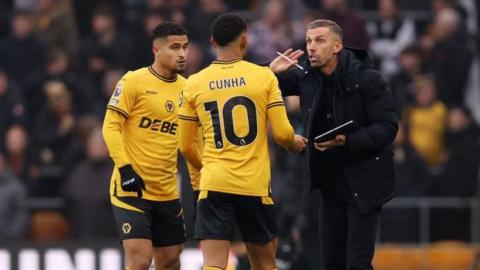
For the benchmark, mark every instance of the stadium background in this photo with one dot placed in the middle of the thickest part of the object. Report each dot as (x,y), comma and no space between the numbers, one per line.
(60,60)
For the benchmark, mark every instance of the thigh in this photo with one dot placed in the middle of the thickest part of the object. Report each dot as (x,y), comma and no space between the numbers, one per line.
(256,219)
(362,231)
(138,253)
(215,218)
(168,227)
(133,218)
(215,252)
(262,256)
(333,233)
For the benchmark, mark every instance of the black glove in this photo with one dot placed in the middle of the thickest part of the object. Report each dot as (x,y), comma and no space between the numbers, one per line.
(131,181)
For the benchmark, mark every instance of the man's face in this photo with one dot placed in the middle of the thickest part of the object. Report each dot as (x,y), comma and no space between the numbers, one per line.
(171,52)
(322,46)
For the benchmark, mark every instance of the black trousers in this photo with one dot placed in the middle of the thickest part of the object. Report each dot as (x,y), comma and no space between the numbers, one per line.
(347,237)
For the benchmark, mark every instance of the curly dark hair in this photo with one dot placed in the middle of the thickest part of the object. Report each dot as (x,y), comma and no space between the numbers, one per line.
(227,27)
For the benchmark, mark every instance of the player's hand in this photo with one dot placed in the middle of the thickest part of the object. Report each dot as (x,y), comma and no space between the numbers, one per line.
(131,181)
(280,64)
(338,141)
(299,143)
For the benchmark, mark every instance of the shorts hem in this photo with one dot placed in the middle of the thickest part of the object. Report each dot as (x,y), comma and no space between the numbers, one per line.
(167,244)
(213,237)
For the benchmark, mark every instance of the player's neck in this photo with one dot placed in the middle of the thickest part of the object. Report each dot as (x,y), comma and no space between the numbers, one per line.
(166,73)
(229,54)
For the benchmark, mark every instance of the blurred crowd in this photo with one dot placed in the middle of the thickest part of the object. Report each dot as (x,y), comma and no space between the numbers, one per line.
(60,61)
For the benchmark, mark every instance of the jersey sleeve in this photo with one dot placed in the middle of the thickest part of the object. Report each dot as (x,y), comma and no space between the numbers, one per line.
(112,133)
(282,130)
(274,96)
(124,96)
(187,109)
(188,128)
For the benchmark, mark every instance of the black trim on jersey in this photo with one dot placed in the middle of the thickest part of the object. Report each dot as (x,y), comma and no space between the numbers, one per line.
(122,112)
(154,73)
(275,104)
(189,118)
(226,62)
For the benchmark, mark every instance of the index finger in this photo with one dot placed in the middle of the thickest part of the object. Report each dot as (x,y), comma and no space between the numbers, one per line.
(296,54)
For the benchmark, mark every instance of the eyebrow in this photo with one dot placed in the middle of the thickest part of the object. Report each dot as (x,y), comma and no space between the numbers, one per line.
(317,36)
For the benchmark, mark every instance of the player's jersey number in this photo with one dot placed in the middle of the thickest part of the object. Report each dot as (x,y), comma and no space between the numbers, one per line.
(228,121)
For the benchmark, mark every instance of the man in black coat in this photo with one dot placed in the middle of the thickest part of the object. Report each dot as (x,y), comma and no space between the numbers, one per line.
(354,171)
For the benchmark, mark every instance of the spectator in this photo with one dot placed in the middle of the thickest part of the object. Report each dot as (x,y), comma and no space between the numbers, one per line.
(450,58)
(54,134)
(460,177)
(12,110)
(13,210)
(402,83)
(353,25)
(390,36)
(19,155)
(413,180)
(55,24)
(152,18)
(95,172)
(462,142)
(426,122)
(22,54)
(59,68)
(107,46)
(201,18)
(275,31)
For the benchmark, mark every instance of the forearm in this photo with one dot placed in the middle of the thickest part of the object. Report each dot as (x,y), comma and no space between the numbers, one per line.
(373,138)
(187,143)
(283,132)
(112,134)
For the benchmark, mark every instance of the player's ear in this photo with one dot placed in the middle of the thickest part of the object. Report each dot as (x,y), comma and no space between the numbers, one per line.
(243,41)
(213,43)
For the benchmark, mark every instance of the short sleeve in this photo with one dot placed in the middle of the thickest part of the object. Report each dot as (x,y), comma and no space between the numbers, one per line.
(274,96)
(124,96)
(187,109)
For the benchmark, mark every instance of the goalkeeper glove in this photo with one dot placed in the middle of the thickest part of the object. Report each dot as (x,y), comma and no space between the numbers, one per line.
(131,181)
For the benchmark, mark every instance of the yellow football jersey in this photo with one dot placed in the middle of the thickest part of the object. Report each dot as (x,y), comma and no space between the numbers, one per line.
(149,142)
(231,99)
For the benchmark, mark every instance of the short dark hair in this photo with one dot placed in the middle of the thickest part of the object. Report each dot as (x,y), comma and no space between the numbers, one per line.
(333,26)
(166,29)
(227,27)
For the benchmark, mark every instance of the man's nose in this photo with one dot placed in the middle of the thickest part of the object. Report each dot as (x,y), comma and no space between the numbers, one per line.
(182,53)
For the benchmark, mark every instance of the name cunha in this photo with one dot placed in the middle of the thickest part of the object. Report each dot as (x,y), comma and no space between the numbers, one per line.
(226,83)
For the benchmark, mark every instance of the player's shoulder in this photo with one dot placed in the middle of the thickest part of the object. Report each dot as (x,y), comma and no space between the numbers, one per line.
(196,77)
(257,69)
(133,75)
(180,78)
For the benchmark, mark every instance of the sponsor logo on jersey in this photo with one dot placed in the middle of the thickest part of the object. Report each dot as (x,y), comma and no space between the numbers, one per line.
(158,125)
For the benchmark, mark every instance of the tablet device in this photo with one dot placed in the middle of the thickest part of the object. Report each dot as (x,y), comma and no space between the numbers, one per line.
(332,133)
